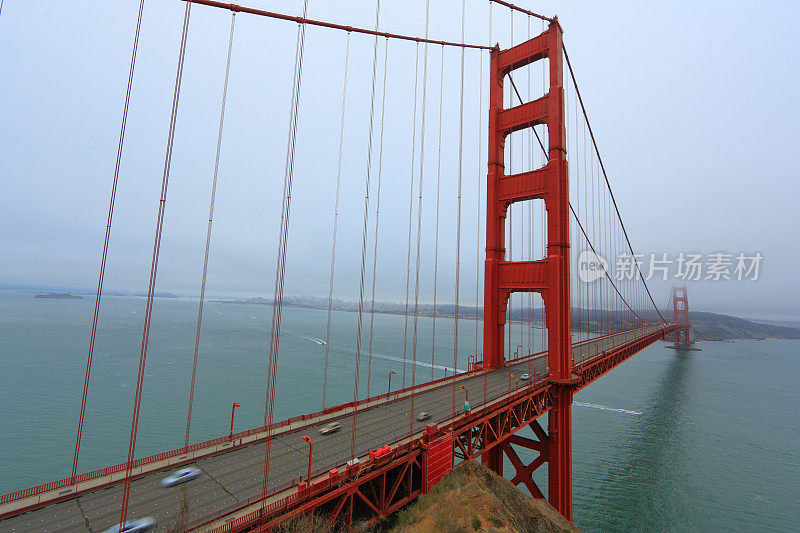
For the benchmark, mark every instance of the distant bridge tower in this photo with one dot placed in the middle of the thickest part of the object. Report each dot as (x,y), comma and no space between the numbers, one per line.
(680,306)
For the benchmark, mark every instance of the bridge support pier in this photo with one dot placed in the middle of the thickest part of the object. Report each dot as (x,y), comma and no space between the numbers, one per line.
(493,460)
(559,472)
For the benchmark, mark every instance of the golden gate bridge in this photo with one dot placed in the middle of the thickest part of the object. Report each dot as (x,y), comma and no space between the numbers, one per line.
(548,202)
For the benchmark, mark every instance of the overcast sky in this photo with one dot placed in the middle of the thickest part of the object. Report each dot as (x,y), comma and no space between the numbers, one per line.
(693,104)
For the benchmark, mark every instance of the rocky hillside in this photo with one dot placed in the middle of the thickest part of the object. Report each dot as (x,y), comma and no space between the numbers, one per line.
(473,498)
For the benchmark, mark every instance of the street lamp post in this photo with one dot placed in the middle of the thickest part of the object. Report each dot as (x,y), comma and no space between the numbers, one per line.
(233,410)
(310,456)
(390,382)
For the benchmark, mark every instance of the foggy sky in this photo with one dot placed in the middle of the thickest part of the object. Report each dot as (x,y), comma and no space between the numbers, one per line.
(693,104)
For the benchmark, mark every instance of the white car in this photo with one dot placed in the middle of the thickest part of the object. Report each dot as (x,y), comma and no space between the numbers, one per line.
(525,377)
(423,416)
(134,526)
(180,476)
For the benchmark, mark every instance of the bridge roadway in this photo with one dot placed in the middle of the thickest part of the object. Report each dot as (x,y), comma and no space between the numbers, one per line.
(234,476)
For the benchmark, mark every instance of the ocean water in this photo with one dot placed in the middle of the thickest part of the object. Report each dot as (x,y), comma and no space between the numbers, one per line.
(702,441)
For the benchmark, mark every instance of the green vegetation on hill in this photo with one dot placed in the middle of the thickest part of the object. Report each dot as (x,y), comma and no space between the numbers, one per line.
(715,327)
(473,498)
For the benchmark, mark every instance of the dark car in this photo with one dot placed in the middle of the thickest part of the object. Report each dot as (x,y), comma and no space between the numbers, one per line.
(333,427)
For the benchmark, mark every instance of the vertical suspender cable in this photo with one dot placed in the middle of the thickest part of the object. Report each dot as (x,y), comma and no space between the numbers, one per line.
(488,149)
(364,228)
(107,236)
(335,218)
(530,209)
(154,268)
(410,210)
(419,219)
(577,160)
(377,217)
(208,230)
(438,189)
(479,178)
(283,235)
(458,208)
(510,211)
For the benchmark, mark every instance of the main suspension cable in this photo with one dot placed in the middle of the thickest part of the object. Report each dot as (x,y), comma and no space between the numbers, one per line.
(312,22)
(109,219)
(513,8)
(588,240)
(208,231)
(608,184)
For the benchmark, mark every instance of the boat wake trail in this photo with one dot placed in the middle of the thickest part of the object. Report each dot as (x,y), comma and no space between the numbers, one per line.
(418,363)
(387,357)
(607,408)
(315,340)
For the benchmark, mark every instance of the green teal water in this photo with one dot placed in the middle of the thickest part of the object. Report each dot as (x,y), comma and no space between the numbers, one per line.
(703,441)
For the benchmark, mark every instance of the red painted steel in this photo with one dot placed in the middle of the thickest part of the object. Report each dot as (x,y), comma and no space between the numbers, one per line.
(438,460)
(550,276)
(680,306)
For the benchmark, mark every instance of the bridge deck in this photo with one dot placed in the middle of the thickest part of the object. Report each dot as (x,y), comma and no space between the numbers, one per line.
(230,478)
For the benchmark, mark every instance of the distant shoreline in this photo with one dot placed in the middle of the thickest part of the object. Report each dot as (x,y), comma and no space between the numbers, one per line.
(705,326)
(59,296)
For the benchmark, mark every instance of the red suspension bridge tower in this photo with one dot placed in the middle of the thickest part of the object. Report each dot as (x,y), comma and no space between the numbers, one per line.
(680,307)
(549,276)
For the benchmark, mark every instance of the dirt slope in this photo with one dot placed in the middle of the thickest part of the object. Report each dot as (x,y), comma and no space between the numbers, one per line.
(473,498)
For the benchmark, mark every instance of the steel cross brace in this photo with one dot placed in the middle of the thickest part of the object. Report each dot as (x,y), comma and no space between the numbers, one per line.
(524,473)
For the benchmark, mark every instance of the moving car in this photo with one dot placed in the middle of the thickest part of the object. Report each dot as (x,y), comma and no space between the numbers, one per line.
(180,476)
(333,427)
(421,417)
(525,376)
(134,526)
